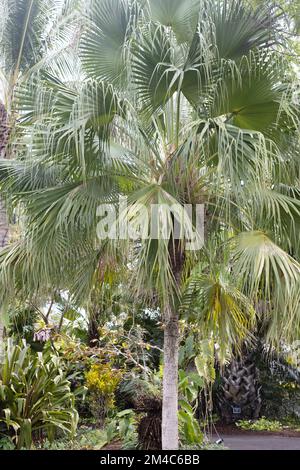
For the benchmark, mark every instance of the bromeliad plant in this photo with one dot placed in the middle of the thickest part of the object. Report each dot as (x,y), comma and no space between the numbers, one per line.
(171,102)
(34,395)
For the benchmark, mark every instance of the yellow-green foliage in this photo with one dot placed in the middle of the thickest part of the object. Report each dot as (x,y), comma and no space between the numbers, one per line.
(102,380)
(262,424)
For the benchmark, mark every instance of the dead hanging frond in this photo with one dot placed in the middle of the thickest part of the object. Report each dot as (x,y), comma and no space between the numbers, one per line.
(219,306)
(270,273)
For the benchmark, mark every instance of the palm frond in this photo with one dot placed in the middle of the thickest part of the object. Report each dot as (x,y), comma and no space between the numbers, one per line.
(219,308)
(180,15)
(268,273)
(23,32)
(153,71)
(104,42)
(249,94)
(237,28)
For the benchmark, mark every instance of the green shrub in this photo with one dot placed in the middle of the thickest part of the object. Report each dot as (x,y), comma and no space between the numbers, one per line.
(6,443)
(262,424)
(34,395)
(190,385)
(189,427)
(86,439)
(204,446)
(120,427)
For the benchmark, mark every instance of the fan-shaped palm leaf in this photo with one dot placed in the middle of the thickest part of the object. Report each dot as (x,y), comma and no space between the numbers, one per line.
(103,45)
(219,308)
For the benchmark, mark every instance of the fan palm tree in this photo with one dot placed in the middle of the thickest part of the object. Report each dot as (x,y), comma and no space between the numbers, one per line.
(26,29)
(171,103)
(3,144)
(19,37)
(3,216)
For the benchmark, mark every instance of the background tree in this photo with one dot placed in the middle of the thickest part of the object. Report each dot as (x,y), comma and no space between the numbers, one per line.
(20,41)
(28,29)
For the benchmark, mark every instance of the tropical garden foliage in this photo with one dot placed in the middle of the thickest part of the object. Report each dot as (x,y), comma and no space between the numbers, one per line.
(159,104)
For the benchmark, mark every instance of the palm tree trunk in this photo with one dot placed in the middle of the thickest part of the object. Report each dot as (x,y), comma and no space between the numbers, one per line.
(170,382)
(4,134)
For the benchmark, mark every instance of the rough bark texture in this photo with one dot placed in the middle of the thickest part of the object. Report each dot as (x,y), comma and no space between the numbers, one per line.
(170,383)
(240,394)
(149,426)
(93,327)
(4,130)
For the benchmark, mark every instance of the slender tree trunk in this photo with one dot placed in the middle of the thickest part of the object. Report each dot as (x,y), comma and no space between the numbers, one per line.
(171,349)
(1,337)
(170,383)
(4,135)
(3,225)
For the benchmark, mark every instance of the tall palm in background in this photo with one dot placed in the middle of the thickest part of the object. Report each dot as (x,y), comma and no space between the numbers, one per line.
(4,133)
(19,41)
(166,103)
(27,30)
